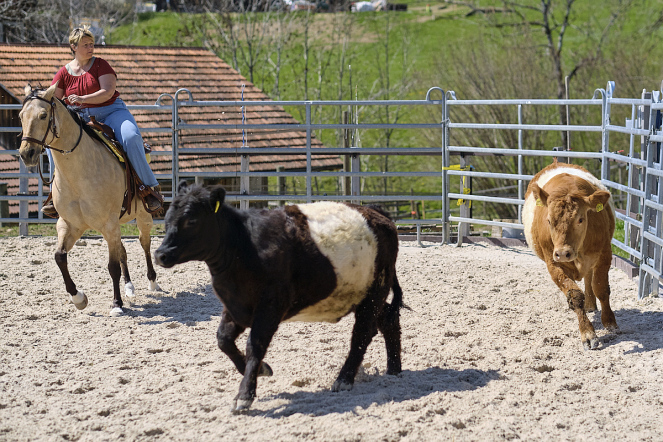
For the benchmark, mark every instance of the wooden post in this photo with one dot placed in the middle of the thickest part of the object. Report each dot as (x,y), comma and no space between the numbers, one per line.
(4,205)
(281,184)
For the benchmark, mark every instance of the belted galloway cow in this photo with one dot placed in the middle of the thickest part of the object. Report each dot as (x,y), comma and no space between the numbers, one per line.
(308,262)
(569,221)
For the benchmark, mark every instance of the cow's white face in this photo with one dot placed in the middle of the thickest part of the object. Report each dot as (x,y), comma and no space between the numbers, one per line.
(567,217)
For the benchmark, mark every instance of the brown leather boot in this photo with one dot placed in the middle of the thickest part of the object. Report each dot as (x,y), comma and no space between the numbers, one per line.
(152,198)
(48,208)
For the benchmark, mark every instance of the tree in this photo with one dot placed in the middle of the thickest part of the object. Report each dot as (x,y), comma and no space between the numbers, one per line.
(555,19)
(50,21)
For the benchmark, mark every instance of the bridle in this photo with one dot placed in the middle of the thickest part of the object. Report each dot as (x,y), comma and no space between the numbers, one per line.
(52,128)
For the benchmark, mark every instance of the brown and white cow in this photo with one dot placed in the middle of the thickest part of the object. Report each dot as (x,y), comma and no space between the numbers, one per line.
(569,221)
(308,262)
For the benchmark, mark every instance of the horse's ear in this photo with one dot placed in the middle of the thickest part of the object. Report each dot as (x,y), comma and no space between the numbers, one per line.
(48,94)
(27,89)
(217,197)
(181,186)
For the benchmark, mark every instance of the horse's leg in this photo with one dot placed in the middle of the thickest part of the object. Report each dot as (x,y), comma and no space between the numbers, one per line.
(145,222)
(67,237)
(112,236)
(129,289)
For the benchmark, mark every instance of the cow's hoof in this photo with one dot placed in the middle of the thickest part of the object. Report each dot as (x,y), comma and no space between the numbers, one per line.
(129,290)
(80,300)
(265,370)
(591,344)
(241,406)
(342,386)
(154,286)
(116,311)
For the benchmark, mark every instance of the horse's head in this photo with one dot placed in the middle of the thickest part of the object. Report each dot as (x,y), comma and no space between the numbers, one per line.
(38,121)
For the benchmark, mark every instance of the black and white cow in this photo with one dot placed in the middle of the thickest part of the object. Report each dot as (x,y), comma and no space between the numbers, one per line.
(308,262)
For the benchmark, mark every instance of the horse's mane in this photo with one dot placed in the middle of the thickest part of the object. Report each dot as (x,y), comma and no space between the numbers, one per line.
(73,111)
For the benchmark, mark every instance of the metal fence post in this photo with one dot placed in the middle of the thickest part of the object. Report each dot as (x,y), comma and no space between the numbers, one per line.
(521,185)
(309,192)
(175,146)
(23,204)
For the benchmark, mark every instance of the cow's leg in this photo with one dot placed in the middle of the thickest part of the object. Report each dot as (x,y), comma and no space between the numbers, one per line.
(590,299)
(576,299)
(145,222)
(362,333)
(226,335)
(265,323)
(601,288)
(67,237)
(390,327)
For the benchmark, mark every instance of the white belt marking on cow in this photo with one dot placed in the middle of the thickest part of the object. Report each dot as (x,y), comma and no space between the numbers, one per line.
(344,237)
(530,203)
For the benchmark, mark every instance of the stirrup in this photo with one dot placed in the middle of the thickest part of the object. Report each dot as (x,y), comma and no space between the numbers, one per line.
(151,197)
(48,208)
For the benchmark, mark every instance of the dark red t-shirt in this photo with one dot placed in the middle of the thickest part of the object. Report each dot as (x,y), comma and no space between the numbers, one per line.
(87,83)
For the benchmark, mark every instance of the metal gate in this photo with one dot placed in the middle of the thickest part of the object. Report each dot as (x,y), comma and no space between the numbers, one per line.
(642,215)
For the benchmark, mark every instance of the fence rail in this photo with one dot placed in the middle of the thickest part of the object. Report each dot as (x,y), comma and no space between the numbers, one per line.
(642,189)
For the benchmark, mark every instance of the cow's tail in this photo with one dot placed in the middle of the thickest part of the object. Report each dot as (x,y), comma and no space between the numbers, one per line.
(396,304)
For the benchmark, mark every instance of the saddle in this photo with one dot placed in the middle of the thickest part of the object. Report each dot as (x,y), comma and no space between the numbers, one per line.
(105,134)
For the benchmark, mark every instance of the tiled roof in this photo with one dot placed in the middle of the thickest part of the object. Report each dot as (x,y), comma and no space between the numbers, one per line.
(146,72)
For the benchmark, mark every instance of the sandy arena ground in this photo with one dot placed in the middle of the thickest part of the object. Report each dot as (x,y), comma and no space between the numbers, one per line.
(490,352)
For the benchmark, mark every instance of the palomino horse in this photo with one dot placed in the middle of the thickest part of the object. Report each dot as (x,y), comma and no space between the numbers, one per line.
(88,190)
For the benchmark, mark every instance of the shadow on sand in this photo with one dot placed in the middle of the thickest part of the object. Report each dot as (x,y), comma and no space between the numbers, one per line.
(380,389)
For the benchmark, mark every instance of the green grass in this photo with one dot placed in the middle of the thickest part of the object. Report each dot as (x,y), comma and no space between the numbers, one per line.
(619,236)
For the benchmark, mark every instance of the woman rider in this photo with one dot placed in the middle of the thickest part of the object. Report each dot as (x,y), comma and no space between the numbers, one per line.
(89,82)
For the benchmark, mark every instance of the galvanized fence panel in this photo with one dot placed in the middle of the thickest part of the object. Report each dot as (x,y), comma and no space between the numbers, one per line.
(641,191)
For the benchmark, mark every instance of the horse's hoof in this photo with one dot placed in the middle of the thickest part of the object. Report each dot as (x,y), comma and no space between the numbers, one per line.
(79,300)
(116,311)
(591,344)
(241,406)
(341,386)
(154,286)
(129,290)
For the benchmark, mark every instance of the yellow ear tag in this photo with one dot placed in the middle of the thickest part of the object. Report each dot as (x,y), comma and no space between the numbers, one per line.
(216,209)
(599,207)
(539,203)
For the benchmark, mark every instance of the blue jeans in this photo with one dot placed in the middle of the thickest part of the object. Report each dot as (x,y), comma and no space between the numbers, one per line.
(118,117)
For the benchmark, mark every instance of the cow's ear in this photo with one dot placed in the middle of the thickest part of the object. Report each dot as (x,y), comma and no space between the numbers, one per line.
(540,195)
(182,186)
(598,200)
(217,197)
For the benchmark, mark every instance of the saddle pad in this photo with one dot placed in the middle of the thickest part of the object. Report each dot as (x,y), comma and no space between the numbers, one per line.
(112,147)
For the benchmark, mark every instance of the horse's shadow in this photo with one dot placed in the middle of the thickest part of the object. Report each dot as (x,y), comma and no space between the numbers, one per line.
(643,327)
(379,390)
(199,304)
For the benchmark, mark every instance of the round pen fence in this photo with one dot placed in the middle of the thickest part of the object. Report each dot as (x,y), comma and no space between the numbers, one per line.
(267,156)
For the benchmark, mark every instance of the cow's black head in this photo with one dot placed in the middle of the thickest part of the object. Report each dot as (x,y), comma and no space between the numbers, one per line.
(192,230)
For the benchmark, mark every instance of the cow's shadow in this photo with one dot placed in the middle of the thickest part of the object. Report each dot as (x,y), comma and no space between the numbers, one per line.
(641,327)
(198,304)
(378,390)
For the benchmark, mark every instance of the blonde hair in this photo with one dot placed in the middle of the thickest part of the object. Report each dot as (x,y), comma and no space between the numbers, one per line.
(78,34)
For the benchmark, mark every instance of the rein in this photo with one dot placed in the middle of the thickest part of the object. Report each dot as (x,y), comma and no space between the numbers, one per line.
(51,127)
